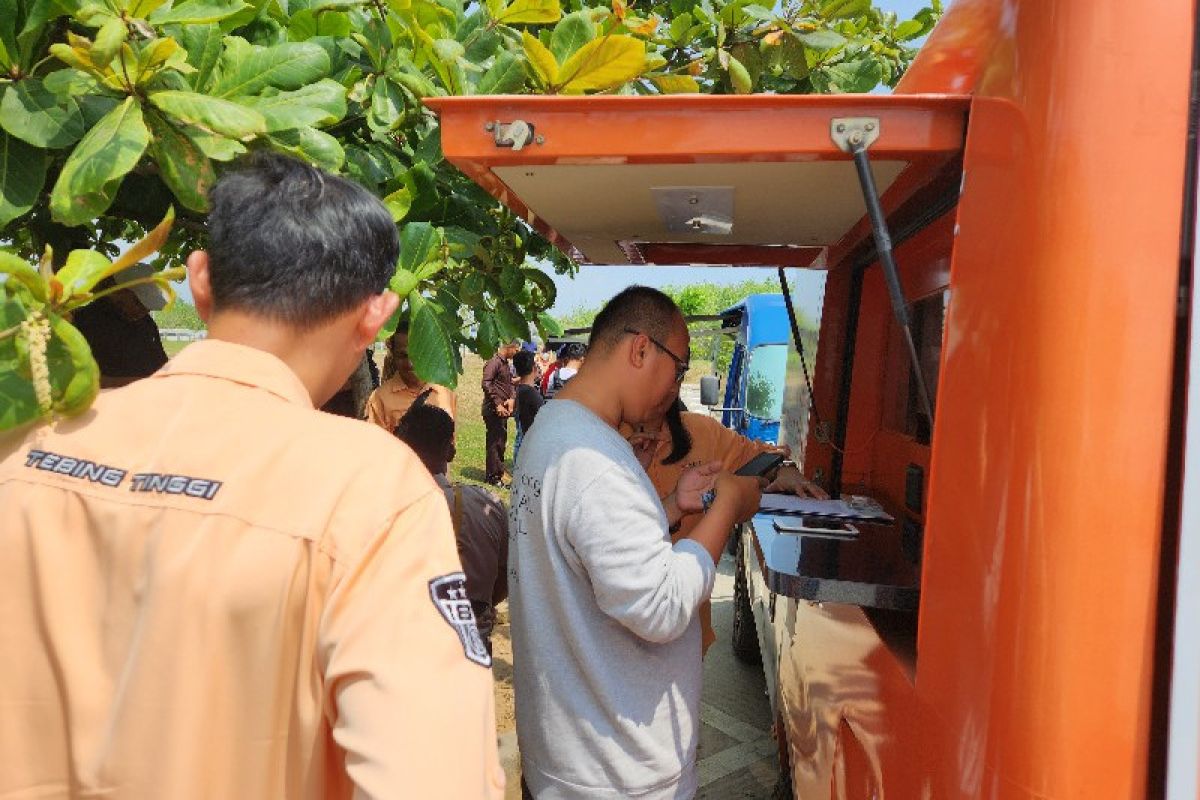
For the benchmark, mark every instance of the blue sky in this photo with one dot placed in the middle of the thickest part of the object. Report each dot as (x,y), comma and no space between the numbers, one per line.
(593,284)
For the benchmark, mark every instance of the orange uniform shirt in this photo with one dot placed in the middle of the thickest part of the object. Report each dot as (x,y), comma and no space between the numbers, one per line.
(394,397)
(711,441)
(210,590)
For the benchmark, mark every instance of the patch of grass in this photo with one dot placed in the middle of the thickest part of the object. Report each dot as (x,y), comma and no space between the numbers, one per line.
(172,347)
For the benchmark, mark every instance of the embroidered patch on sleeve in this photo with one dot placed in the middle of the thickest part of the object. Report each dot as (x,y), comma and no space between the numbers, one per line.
(449,594)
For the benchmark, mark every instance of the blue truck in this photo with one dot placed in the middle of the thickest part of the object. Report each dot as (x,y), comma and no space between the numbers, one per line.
(754,383)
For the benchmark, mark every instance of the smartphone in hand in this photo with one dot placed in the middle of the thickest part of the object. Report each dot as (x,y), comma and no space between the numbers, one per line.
(760,465)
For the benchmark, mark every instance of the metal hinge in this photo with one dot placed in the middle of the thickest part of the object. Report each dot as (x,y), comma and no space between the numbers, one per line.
(851,132)
(517,134)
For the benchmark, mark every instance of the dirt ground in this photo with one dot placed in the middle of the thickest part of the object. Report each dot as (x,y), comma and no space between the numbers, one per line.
(502,671)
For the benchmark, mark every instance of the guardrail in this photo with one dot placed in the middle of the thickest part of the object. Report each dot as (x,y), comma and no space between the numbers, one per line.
(180,334)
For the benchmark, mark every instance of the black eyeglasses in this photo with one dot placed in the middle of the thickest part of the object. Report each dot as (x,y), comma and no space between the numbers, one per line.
(681,366)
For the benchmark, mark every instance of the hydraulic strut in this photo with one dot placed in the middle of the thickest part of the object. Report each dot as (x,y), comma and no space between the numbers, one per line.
(854,135)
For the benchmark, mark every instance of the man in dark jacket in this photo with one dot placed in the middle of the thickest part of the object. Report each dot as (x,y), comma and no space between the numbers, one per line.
(498,404)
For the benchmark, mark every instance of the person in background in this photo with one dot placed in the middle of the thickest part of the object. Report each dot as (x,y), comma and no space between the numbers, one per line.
(212,590)
(499,402)
(550,356)
(401,387)
(545,359)
(528,398)
(606,642)
(570,360)
(668,444)
(479,517)
(121,333)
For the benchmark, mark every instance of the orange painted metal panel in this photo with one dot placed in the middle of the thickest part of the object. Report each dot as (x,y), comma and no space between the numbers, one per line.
(1036,633)
(692,129)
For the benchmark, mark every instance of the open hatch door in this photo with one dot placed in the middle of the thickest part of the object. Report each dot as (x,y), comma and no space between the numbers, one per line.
(688,179)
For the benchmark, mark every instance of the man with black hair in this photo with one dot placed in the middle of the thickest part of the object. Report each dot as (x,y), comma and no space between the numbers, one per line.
(479,517)
(211,589)
(528,399)
(606,639)
(570,359)
(499,402)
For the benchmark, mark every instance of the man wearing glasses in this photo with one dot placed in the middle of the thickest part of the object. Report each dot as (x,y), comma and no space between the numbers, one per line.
(606,638)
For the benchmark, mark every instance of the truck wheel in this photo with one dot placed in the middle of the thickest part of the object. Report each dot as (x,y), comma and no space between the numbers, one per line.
(745,636)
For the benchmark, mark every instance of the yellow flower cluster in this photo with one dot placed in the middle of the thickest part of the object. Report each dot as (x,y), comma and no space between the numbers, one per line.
(36,329)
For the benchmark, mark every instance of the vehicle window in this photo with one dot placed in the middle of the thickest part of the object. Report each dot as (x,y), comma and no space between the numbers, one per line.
(764,381)
(902,407)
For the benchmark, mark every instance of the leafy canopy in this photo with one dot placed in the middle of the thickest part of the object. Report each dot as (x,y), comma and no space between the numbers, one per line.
(115,112)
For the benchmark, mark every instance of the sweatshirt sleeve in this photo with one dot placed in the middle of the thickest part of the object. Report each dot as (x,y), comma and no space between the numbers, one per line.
(618,533)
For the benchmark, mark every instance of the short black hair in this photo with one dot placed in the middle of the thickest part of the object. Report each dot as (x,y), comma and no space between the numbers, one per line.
(637,308)
(523,363)
(291,242)
(429,431)
(573,351)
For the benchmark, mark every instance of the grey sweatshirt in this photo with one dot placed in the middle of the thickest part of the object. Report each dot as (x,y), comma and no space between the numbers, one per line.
(606,642)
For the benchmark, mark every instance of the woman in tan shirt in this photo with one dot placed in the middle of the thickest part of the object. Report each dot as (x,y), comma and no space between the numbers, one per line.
(401,387)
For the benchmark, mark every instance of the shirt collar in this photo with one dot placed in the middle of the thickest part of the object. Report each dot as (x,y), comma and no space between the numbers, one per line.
(397,386)
(443,481)
(239,363)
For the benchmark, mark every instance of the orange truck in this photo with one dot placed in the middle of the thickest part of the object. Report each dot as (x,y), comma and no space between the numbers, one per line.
(1008,363)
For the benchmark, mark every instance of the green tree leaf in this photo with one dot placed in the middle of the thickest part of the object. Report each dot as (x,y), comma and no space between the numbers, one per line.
(571,33)
(387,105)
(93,172)
(182,164)
(511,322)
(546,292)
(312,145)
(317,104)
(676,84)
(821,40)
(530,12)
(196,12)
(541,60)
(909,29)
(487,333)
(22,176)
(858,76)
(603,64)
(211,114)
(417,243)
(307,23)
(511,280)
(398,203)
(203,45)
(109,39)
(82,271)
(247,69)
(505,76)
(35,115)
(18,403)
(548,325)
(739,77)
(844,9)
(402,282)
(429,344)
(74,376)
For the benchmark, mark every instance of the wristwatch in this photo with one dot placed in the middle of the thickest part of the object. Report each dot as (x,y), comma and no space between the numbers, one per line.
(707,498)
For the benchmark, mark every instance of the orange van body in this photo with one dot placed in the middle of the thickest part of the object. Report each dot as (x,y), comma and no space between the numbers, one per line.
(1039,517)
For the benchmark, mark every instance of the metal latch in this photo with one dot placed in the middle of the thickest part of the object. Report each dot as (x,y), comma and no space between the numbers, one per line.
(851,132)
(517,134)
